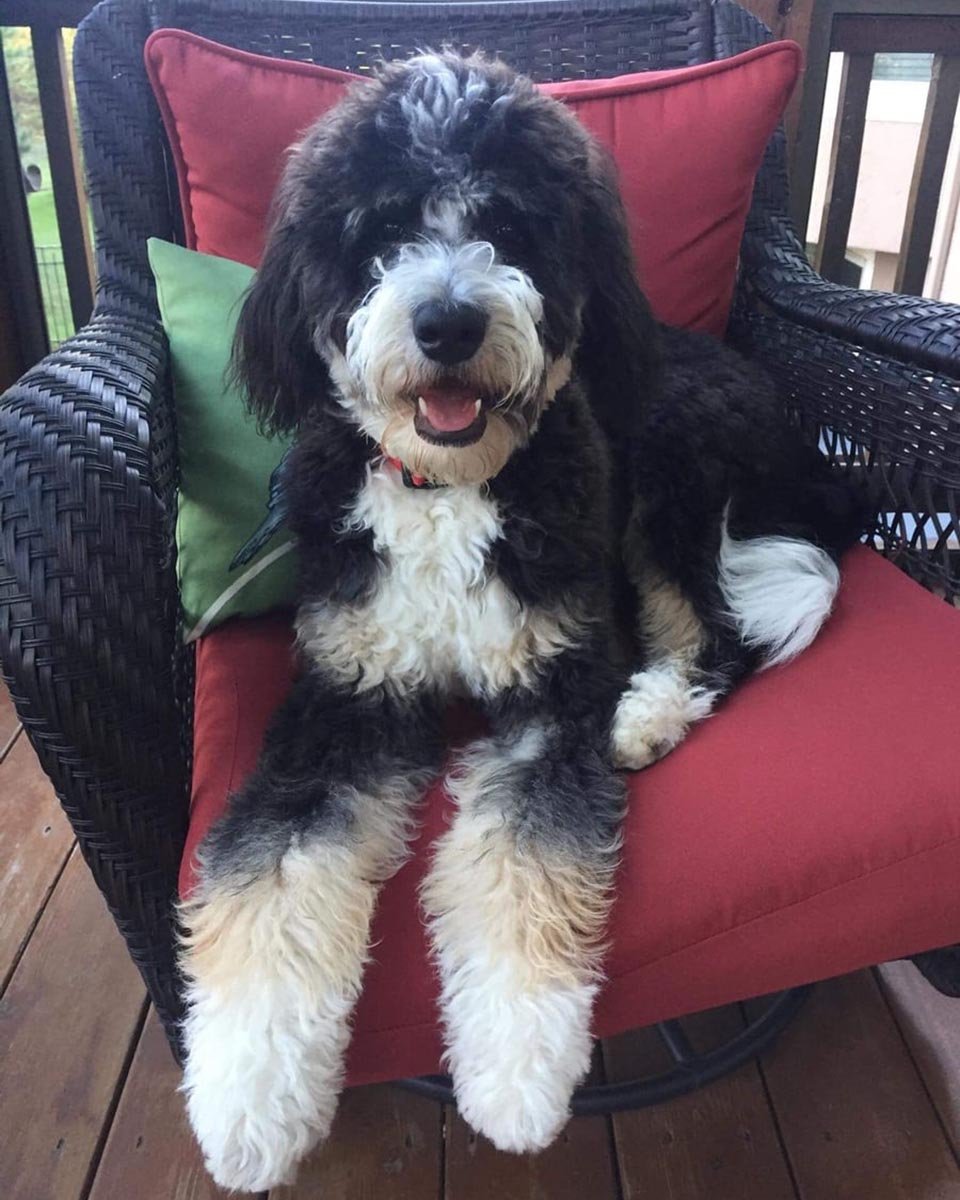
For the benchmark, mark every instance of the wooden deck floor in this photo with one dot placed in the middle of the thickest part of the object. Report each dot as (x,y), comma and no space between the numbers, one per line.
(859,1101)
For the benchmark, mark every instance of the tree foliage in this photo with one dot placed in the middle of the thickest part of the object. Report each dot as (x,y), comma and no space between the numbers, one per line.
(24,95)
(22,79)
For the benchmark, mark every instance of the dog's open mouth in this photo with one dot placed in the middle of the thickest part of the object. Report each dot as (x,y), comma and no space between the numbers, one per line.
(450,414)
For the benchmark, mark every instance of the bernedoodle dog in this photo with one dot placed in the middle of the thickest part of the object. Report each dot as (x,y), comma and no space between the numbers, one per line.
(508,484)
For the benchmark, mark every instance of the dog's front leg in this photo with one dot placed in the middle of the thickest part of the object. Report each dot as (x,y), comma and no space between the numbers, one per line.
(277,928)
(517,898)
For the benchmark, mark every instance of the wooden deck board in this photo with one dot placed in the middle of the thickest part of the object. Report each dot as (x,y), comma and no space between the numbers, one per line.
(720,1142)
(386,1144)
(67,1021)
(35,839)
(578,1165)
(150,1150)
(855,1118)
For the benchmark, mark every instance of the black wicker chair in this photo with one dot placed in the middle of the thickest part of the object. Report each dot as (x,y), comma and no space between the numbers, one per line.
(88,603)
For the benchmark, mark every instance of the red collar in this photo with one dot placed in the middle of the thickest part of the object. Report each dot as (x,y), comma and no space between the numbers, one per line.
(409,479)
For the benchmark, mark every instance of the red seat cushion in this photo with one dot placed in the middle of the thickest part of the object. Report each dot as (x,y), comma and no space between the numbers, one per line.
(811,827)
(687,143)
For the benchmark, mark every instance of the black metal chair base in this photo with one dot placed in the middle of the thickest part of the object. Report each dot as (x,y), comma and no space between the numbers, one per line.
(692,1070)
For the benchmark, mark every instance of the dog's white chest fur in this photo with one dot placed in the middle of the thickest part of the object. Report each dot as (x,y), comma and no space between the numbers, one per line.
(438,614)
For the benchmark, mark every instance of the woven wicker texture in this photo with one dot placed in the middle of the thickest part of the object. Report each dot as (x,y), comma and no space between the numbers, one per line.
(88,614)
(545,40)
(88,618)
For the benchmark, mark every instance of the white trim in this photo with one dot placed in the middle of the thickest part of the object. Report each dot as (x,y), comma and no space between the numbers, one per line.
(238,584)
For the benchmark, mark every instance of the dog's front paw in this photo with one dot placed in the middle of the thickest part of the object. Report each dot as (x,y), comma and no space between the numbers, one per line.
(516,1058)
(255,1133)
(245,1148)
(654,714)
(262,1086)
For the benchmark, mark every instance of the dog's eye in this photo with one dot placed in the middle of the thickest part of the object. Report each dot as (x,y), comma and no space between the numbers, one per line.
(393,231)
(505,231)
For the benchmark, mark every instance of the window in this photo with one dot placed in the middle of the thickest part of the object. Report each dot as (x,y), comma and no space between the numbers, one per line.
(912,67)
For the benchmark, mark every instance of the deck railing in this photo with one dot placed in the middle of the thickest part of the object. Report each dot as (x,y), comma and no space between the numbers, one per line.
(860,30)
(25,330)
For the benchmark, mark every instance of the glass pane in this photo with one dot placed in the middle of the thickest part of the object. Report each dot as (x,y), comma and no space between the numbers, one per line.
(916,67)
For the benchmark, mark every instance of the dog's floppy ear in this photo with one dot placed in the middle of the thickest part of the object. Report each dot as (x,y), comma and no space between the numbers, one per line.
(274,360)
(619,351)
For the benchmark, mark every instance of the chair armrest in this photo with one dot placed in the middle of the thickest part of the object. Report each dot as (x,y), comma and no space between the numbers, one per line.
(910,329)
(874,377)
(88,613)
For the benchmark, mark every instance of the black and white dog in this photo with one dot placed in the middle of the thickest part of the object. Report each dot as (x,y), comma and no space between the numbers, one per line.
(509,485)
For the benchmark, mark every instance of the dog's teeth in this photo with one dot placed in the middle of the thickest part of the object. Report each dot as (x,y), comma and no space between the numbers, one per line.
(422,405)
(476,407)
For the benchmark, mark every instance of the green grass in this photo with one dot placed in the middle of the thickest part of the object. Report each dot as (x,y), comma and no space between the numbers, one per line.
(43,218)
(53,280)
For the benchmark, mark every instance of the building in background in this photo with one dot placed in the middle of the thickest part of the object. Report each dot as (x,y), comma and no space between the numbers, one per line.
(898,96)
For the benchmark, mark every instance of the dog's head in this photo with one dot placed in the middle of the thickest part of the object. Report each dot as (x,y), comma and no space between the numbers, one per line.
(446,244)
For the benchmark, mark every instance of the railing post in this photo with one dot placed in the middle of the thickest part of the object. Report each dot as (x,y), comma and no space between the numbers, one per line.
(844,165)
(812,94)
(23,329)
(64,154)
(928,173)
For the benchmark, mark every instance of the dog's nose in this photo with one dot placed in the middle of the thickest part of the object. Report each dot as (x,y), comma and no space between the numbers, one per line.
(449,332)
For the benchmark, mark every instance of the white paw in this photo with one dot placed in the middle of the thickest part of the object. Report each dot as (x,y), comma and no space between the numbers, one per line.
(262,1086)
(254,1142)
(516,1058)
(654,714)
(246,1151)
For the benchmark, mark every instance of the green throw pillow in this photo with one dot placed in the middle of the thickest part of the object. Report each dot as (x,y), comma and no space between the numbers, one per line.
(225,462)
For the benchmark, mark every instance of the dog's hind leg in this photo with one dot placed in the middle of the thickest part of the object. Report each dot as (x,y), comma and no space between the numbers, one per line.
(761,602)
(517,900)
(277,928)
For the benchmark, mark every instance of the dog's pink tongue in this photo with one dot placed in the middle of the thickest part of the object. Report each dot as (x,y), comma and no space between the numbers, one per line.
(449,408)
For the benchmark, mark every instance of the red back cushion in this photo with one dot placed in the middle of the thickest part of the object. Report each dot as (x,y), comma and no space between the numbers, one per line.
(687,143)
